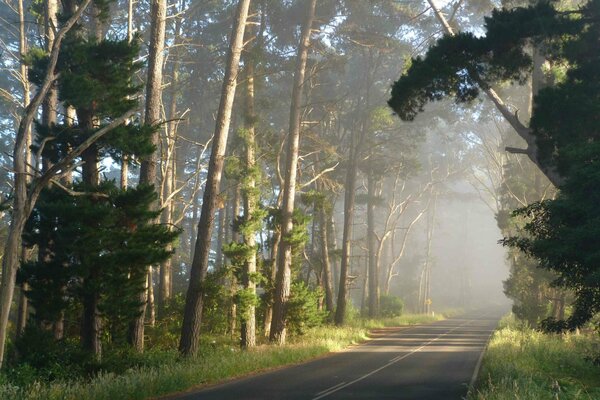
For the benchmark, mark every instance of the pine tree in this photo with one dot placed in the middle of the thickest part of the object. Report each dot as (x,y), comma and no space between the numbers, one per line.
(110,226)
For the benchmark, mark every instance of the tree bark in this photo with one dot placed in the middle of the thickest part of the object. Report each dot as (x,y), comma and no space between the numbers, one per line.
(327,278)
(192,318)
(332,244)
(152,116)
(284,262)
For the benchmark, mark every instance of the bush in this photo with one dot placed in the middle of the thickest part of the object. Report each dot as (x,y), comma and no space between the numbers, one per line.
(37,356)
(303,309)
(390,306)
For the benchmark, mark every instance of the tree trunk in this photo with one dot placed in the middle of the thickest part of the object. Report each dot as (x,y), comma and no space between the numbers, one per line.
(23,313)
(349,197)
(235,238)
(152,116)
(192,317)
(124,175)
(373,269)
(272,277)
(90,321)
(151,314)
(248,323)
(332,245)
(284,262)
(325,261)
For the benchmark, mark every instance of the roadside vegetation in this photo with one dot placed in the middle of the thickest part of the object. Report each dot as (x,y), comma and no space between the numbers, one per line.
(161,371)
(527,364)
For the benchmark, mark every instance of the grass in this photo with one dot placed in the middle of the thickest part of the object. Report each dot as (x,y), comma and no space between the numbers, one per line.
(525,364)
(216,363)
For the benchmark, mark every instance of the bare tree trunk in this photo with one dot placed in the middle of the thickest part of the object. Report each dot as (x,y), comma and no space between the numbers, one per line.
(349,197)
(373,270)
(166,268)
(221,236)
(332,244)
(151,311)
(327,279)
(23,313)
(192,317)
(274,256)
(124,178)
(284,262)
(152,117)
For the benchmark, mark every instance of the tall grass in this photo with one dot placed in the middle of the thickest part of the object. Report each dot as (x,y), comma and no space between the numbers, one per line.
(217,362)
(525,364)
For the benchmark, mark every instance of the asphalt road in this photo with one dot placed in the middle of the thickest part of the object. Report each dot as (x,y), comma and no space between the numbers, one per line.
(426,362)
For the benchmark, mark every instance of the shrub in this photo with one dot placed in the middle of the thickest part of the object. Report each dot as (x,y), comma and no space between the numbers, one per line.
(303,309)
(390,306)
(37,356)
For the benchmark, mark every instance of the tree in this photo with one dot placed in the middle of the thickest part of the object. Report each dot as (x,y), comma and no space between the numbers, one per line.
(284,261)
(152,117)
(25,199)
(192,318)
(560,232)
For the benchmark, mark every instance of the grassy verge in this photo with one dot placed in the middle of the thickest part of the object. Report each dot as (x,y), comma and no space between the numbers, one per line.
(215,363)
(524,364)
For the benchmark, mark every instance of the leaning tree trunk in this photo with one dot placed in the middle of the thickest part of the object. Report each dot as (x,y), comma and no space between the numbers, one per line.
(23,303)
(192,317)
(152,117)
(284,262)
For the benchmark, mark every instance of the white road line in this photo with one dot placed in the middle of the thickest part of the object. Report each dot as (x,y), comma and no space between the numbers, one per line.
(331,388)
(395,360)
(480,361)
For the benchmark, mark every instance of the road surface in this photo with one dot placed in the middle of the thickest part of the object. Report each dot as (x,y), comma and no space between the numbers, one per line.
(426,362)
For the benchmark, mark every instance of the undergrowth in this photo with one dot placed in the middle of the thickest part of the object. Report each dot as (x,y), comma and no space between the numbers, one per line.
(522,363)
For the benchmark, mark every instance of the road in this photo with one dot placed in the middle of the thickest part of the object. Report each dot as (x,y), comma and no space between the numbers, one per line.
(426,362)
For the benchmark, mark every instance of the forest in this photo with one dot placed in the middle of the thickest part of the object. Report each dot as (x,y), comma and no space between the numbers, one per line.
(193,191)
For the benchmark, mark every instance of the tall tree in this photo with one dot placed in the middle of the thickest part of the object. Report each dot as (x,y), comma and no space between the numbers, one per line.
(192,318)
(152,117)
(283,278)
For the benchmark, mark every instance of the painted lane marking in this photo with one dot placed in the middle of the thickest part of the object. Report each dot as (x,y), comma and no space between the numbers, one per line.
(329,389)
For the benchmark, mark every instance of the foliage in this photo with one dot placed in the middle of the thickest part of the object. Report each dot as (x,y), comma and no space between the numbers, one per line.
(303,311)
(390,306)
(99,245)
